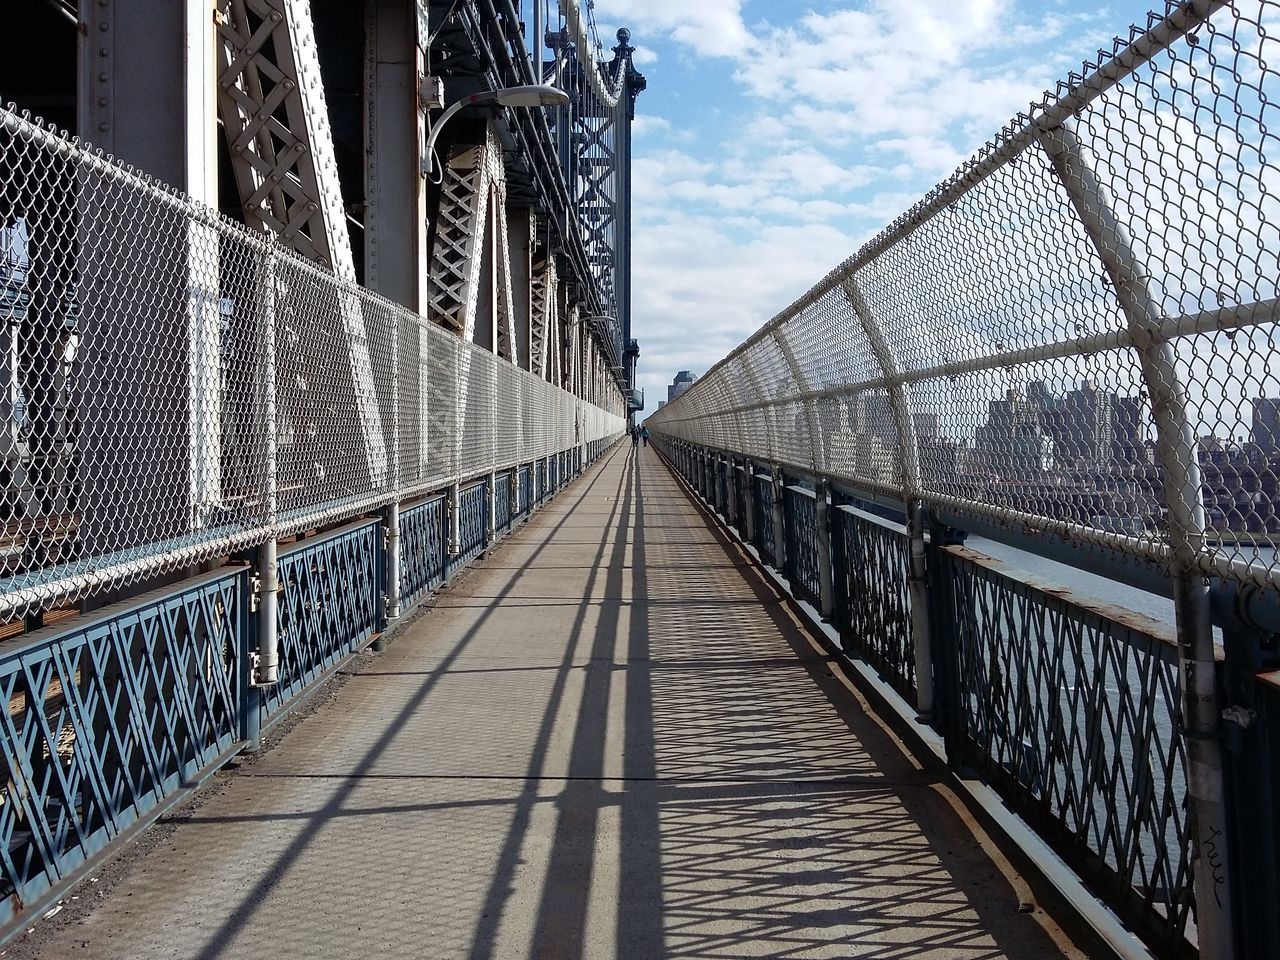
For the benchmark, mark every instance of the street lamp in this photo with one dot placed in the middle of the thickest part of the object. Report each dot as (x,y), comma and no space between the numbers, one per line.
(529,95)
(594,320)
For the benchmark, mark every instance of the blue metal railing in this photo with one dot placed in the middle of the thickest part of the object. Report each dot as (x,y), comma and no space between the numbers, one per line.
(1072,714)
(762,504)
(1066,707)
(473,523)
(330,603)
(110,721)
(872,600)
(117,717)
(526,490)
(801,548)
(502,503)
(424,538)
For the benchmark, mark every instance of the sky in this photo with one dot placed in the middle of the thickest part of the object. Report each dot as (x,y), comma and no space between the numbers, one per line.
(775,137)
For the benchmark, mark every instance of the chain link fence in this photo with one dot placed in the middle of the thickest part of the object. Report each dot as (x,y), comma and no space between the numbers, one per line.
(175,387)
(1074,334)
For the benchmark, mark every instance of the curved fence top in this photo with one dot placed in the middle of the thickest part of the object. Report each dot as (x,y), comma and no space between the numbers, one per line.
(1076,333)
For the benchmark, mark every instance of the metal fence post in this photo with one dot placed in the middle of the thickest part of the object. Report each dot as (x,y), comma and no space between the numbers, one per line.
(249,696)
(491,522)
(909,443)
(921,630)
(840,614)
(1252,738)
(946,634)
(1176,445)
(268,667)
(822,520)
(455,519)
(391,562)
(729,480)
(748,528)
(777,481)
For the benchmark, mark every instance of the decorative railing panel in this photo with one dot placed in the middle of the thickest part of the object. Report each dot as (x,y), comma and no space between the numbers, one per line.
(762,503)
(801,529)
(502,502)
(108,719)
(473,521)
(526,490)
(1071,711)
(742,496)
(873,603)
(330,602)
(423,538)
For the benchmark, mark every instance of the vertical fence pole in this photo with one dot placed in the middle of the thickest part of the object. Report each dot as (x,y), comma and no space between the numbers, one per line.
(748,527)
(247,694)
(838,525)
(1252,740)
(779,521)
(391,560)
(491,495)
(822,520)
(729,480)
(268,669)
(1176,446)
(455,519)
(921,632)
(947,633)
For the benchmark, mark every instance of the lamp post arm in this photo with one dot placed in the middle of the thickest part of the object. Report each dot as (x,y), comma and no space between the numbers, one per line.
(429,150)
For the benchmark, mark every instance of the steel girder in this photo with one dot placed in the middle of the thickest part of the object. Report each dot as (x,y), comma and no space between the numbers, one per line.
(271,101)
(473,180)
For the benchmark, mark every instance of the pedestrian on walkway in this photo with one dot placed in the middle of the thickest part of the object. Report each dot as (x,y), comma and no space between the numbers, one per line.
(644,435)
(635,436)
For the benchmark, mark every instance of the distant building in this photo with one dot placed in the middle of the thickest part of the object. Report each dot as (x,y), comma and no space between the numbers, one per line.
(1126,431)
(661,404)
(1266,424)
(1089,415)
(1012,443)
(863,456)
(682,382)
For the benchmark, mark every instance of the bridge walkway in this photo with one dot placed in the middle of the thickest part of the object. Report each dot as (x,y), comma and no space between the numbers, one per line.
(610,739)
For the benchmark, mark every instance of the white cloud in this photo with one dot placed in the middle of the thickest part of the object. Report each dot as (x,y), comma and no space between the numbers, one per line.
(701,289)
(644,55)
(836,121)
(708,27)
(645,124)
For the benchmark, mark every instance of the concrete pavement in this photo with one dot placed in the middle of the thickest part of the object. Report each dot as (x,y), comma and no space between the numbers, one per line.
(610,740)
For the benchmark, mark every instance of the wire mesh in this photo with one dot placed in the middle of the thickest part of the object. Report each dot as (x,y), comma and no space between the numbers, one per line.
(1076,333)
(175,386)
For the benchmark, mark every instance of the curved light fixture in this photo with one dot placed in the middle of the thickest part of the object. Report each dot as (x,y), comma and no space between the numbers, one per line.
(528,95)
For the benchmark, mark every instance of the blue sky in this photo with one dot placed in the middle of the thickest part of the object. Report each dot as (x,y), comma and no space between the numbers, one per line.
(776,137)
